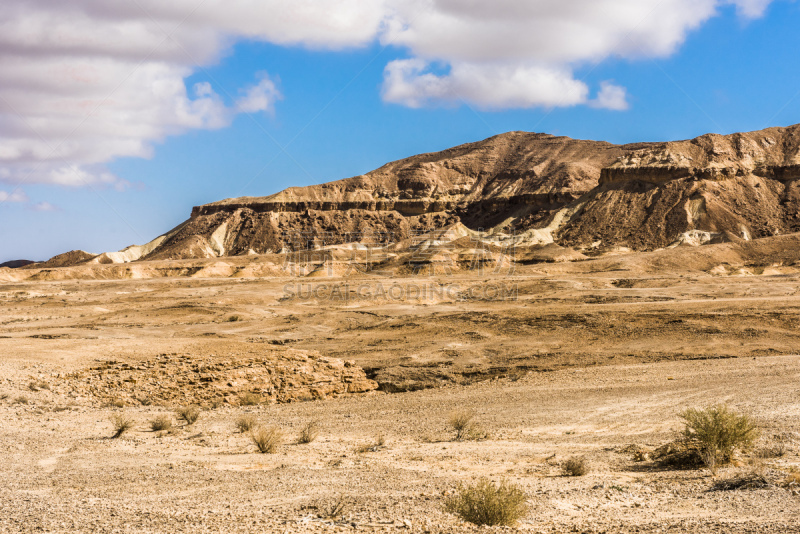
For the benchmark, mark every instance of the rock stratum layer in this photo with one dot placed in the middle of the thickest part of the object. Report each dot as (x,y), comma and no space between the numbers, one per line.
(532,189)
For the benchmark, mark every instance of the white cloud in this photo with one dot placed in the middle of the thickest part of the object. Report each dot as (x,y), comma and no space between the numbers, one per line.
(751,8)
(14,196)
(488,86)
(260,97)
(611,97)
(87,81)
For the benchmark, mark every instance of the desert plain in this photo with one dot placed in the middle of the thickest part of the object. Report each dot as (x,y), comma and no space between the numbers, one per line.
(593,359)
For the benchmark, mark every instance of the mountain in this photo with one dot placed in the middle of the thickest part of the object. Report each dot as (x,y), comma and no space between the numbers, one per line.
(16,264)
(532,189)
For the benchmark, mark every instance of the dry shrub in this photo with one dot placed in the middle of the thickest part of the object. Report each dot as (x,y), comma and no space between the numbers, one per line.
(776,449)
(717,432)
(116,403)
(309,432)
(246,423)
(577,466)
(462,421)
(268,439)
(189,414)
(333,509)
(249,399)
(122,423)
(234,319)
(162,422)
(754,479)
(22,399)
(678,455)
(485,503)
(375,446)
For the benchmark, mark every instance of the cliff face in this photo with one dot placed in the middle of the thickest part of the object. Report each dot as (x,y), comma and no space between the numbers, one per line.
(540,188)
(480,184)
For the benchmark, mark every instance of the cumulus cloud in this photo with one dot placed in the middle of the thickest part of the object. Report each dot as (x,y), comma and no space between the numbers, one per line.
(488,86)
(260,97)
(611,97)
(87,81)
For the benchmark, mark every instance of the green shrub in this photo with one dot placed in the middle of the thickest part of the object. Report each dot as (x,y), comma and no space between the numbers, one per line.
(718,432)
(488,504)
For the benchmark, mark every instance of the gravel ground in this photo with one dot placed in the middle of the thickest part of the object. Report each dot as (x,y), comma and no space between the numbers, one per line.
(63,473)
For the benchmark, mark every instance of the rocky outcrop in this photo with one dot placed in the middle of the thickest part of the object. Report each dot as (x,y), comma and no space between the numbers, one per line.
(174,380)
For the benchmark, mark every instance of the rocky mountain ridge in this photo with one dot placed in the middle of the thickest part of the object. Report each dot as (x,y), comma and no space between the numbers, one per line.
(533,189)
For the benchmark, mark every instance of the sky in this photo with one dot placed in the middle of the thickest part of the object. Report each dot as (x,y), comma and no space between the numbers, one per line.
(118,116)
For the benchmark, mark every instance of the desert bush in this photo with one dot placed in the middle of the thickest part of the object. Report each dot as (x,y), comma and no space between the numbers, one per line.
(267,438)
(485,503)
(121,423)
(678,455)
(333,509)
(249,399)
(22,399)
(577,466)
(162,422)
(309,432)
(246,423)
(116,403)
(374,446)
(718,432)
(189,414)
(234,319)
(462,422)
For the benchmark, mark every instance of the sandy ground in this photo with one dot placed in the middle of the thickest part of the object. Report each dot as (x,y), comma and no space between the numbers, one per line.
(588,363)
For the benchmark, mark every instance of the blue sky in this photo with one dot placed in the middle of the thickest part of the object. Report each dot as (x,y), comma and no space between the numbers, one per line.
(733,68)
